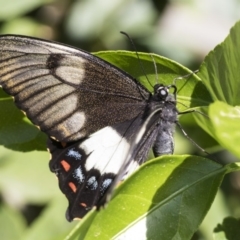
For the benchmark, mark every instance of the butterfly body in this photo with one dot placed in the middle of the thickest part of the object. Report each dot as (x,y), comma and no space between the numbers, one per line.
(100,121)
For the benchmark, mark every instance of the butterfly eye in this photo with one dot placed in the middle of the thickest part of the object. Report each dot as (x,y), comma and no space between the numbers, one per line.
(162,92)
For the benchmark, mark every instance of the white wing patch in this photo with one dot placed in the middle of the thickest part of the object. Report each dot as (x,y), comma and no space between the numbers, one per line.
(107,151)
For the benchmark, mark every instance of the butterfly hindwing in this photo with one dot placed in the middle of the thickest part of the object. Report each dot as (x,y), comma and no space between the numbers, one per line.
(87,168)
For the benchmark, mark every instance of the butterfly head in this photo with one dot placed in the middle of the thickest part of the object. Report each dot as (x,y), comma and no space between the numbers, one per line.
(161,92)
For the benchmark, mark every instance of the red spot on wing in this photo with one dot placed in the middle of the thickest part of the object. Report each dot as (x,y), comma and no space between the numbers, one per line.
(65,165)
(72,186)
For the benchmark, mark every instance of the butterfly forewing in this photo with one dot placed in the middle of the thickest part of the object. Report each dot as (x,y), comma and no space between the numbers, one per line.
(66,91)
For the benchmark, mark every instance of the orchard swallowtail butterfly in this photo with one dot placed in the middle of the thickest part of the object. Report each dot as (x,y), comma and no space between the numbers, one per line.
(100,121)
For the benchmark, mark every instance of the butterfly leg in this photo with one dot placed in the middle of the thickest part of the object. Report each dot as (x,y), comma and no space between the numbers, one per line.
(190,139)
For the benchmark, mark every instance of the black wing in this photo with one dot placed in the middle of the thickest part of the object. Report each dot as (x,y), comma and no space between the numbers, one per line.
(67,92)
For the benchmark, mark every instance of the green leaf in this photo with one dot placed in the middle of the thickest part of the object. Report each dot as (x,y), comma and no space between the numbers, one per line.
(223,125)
(220,69)
(13,132)
(166,198)
(220,73)
(16,131)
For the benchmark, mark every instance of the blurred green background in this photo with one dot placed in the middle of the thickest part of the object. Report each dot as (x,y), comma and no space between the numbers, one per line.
(32,206)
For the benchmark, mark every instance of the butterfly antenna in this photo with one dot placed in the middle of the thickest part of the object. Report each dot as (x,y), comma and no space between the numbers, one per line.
(139,60)
(184,76)
(155,68)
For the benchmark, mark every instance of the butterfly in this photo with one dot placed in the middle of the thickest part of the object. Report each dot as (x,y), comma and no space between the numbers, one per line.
(100,121)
